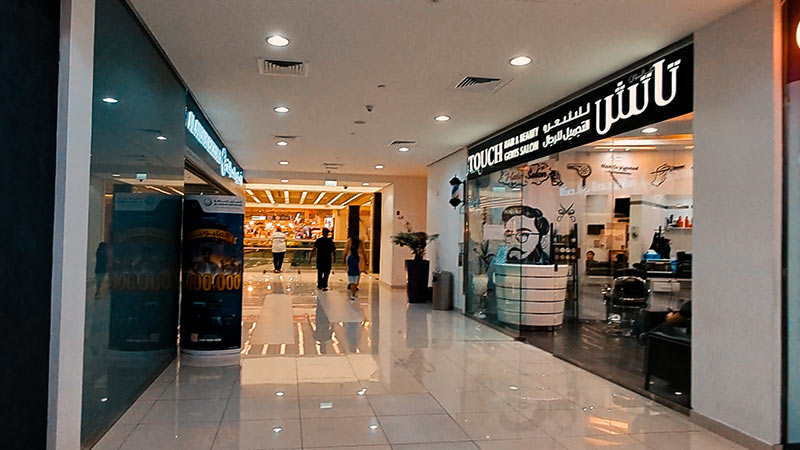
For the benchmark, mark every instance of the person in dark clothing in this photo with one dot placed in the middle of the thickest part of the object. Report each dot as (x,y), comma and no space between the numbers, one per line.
(674,324)
(100,267)
(325,251)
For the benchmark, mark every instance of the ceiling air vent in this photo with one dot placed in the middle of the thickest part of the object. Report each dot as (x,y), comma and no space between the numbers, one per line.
(481,84)
(286,68)
(332,166)
(398,142)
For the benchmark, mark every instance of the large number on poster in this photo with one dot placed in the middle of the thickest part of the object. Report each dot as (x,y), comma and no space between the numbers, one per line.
(213,255)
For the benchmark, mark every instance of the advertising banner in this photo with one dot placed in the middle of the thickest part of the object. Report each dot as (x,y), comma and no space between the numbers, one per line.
(144,271)
(213,259)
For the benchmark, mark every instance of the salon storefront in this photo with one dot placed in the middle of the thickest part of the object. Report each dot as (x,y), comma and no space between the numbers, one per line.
(578,227)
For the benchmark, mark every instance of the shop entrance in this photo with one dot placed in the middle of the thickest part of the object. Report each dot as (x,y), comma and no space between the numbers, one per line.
(609,226)
(301,212)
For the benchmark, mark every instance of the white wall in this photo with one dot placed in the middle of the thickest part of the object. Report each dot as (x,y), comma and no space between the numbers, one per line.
(403,200)
(446,221)
(387,230)
(68,302)
(736,343)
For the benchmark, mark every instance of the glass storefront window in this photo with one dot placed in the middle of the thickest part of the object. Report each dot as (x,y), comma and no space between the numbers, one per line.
(591,250)
(137,170)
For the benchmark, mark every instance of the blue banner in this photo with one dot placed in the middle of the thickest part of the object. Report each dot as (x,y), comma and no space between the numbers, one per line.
(213,259)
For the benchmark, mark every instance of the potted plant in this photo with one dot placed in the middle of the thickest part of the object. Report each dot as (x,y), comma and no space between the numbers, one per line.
(419,267)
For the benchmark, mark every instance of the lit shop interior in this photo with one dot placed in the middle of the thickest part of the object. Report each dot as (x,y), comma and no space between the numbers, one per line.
(301,212)
(582,251)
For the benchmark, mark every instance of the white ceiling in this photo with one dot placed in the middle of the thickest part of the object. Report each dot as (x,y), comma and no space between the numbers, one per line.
(418,48)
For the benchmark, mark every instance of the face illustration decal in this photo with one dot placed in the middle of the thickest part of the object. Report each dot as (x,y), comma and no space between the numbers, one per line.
(527,232)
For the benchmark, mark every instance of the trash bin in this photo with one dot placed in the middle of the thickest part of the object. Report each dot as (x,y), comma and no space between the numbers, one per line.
(442,290)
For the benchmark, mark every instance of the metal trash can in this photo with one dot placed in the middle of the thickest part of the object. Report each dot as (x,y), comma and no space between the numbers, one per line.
(442,290)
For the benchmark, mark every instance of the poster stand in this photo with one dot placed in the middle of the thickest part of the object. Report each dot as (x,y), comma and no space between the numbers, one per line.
(213,263)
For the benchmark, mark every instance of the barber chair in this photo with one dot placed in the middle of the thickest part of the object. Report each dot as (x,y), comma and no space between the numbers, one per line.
(625,298)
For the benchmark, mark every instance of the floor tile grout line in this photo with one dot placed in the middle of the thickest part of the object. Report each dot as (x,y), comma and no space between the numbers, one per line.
(297,389)
(136,425)
(371,407)
(221,419)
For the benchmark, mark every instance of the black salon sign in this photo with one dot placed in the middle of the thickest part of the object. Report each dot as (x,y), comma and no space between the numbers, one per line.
(657,89)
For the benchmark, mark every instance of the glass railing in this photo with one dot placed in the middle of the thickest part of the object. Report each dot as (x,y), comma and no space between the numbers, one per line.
(258,252)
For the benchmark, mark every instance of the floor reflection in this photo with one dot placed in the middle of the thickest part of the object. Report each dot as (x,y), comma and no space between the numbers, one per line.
(320,371)
(285,315)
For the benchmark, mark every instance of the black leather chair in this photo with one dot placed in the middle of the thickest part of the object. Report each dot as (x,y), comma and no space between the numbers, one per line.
(628,295)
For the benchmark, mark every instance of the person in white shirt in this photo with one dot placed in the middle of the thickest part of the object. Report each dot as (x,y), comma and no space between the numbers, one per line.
(278,249)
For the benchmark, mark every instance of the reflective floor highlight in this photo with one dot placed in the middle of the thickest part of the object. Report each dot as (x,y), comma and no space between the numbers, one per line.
(320,371)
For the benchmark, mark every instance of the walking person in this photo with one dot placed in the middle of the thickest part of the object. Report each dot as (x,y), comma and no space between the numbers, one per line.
(354,259)
(325,251)
(278,249)
(100,267)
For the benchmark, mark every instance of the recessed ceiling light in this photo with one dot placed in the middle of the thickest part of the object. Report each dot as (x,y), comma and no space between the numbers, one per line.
(373,426)
(277,429)
(365,184)
(284,163)
(361,391)
(284,180)
(689,147)
(161,138)
(403,149)
(649,130)
(281,109)
(279,394)
(331,183)
(110,100)
(379,166)
(282,143)
(611,150)
(441,118)
(115,175)
(277,40)
(520,61)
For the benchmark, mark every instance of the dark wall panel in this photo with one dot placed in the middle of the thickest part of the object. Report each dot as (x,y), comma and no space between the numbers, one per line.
(28,112)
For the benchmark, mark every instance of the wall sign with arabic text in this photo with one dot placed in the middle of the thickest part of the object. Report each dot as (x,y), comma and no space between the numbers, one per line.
(659,88)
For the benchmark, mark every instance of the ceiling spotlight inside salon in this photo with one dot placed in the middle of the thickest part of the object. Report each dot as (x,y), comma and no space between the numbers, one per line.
(284,163)
(281,109)
(284,180)
(281,143)
(379,166)
(403,149)
(277,40)
(441,118)
(161,138)
(650,130)
(520,61)
(111,100)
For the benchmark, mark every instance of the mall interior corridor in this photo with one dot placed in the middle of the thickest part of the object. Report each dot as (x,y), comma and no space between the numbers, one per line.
(321,371)
(400,224)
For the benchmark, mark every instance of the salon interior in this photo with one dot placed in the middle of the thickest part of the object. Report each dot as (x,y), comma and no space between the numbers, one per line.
(615,219)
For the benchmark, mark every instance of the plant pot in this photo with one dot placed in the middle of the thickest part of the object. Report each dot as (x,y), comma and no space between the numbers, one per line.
(417,287)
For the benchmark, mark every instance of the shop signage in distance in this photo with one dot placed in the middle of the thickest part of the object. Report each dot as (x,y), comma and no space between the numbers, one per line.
(226,166)
(659,88)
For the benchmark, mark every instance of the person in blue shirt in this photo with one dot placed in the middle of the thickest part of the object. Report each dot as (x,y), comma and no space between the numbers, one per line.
(355,256)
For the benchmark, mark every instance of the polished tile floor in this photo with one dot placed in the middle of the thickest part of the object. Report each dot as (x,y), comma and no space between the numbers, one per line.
(319,371)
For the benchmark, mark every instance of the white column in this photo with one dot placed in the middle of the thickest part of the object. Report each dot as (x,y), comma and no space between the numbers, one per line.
(70,224)
(736,317)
